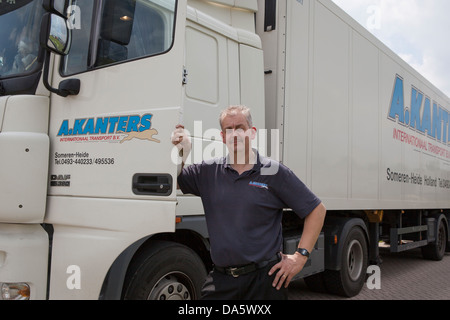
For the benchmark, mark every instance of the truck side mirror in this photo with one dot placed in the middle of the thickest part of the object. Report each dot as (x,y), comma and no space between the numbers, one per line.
(55,35)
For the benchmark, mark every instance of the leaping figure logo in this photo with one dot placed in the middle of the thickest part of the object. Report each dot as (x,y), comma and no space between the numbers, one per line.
(144,135)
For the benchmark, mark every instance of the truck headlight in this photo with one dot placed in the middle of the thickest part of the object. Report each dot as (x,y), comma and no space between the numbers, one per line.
(15,291)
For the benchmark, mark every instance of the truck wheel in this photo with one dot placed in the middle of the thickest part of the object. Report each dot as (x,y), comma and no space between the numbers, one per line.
(165,271)
(436,250)
(349,280)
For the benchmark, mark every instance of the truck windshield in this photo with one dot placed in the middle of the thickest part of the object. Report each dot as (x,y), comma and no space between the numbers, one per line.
(20,22)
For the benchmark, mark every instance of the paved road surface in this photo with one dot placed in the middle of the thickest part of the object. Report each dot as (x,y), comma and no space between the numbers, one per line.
(404,276)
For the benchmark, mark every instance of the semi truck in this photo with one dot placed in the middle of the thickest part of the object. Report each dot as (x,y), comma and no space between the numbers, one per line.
(91,91)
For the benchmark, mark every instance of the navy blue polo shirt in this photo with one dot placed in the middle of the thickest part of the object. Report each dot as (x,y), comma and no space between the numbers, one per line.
(244,212)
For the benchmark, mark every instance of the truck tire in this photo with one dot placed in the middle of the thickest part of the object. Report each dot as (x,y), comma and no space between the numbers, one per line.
(165,271)
(349,280)
(436,250)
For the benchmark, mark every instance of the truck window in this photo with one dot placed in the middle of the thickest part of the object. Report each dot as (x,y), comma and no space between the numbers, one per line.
(126,30)
(19,37)
(81,19)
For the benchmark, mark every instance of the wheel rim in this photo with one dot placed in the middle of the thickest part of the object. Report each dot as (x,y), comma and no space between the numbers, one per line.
(172,286)
(355,260)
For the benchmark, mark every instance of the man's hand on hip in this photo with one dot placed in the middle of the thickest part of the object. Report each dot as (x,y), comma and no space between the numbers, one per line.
(288,268)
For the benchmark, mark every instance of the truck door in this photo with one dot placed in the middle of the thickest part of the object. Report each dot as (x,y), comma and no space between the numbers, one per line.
(24,148)
(24,144)
(112,140)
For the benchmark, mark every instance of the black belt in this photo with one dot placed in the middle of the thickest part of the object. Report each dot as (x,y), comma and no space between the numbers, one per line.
(236,272)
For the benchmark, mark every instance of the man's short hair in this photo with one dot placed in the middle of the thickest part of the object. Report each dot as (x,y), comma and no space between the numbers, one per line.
(231,110)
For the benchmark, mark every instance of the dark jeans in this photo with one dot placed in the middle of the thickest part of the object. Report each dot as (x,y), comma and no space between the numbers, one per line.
(256,285)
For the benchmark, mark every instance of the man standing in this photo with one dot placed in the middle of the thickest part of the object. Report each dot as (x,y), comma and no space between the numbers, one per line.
(243,209)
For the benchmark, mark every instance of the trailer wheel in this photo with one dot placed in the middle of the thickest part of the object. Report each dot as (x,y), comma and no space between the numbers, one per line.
(436,250)
(349,280)
(165,271)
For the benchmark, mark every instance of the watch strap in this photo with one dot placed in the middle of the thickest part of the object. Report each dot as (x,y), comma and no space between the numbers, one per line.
(303,252)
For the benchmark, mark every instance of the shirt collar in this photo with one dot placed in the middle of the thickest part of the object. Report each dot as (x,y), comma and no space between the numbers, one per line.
(256,167)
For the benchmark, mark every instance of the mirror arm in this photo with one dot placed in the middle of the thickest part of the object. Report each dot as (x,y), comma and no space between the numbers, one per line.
(66,88)
(46,71)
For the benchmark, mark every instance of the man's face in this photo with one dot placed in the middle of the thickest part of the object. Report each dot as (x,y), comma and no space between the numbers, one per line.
(236,133)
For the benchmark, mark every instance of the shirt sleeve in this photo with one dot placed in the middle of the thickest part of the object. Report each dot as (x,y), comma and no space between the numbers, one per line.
(189,178)
(296,195)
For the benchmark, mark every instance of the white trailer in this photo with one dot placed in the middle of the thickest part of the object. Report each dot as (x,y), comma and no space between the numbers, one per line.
(89,98)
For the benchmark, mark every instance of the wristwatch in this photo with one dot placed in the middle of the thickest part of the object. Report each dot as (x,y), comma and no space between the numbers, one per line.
(303,252)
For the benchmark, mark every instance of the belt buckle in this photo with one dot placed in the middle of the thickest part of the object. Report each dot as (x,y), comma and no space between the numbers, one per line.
(233,272)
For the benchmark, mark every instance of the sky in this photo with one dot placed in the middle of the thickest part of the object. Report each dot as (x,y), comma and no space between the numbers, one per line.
(417,30)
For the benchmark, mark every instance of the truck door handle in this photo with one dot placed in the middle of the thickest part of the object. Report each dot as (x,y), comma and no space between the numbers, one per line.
(152,184)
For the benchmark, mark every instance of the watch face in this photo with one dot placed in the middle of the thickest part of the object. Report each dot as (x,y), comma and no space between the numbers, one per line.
(303,252)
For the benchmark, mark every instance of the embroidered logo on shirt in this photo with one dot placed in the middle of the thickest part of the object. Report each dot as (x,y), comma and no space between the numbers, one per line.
(259,185)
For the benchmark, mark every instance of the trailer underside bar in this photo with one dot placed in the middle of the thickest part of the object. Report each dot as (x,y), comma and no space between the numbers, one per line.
(397,245)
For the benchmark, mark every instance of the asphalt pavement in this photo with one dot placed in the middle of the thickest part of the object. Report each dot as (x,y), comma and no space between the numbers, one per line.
(403,276)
